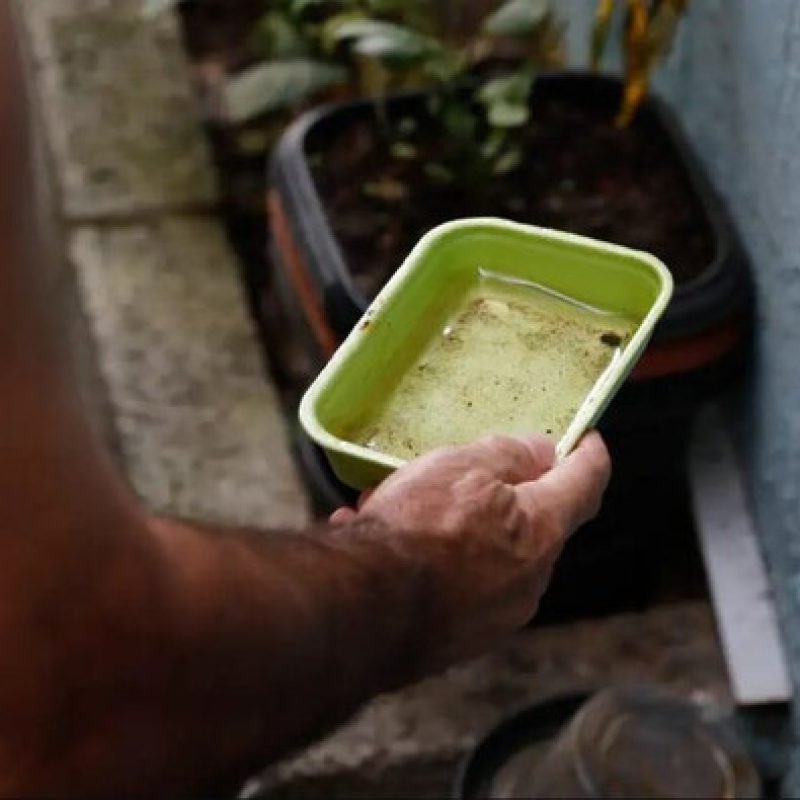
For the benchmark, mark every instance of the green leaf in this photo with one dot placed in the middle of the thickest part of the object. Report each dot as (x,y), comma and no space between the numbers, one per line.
(382,40)
(508,162)
(494,143)
(404,151)
(276,85)
(459,122)
(330,36)
(386,189)
(279,38)
(507,99)
(510,88)
(406,126)
(382,7)
(388,48)
(445,65)
(505,115)
(349,28)
(438,173)
(299,7)
(518,17)
(152,8)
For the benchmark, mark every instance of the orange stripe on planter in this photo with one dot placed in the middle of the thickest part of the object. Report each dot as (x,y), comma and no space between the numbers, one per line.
(296,268)
(689,354)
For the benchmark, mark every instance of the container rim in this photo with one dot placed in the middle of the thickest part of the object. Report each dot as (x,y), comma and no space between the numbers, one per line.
(592,405)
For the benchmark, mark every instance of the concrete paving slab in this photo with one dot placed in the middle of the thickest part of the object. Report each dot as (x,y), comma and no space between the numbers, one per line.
(200,428)
(122,124)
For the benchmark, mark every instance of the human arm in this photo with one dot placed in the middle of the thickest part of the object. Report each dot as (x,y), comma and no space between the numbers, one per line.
(151,657)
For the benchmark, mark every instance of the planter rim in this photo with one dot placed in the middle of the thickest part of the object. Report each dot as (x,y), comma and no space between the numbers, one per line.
(290,169)
(301,187)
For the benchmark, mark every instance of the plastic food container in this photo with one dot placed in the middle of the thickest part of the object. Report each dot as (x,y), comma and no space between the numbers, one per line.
(445,268)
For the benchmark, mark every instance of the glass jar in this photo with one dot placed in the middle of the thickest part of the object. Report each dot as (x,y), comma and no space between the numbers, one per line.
(642,742)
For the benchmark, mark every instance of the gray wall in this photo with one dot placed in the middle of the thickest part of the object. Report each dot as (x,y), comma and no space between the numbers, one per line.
(735,79)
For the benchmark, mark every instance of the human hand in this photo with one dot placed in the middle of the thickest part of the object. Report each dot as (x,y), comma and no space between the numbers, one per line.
(486,523)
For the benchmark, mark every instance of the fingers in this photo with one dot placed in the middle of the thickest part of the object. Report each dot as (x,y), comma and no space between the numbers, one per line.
(571,492)
(342,516)
(510,459)
(345,514)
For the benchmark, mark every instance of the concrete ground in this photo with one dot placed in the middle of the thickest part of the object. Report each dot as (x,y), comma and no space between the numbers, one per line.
(162,330)
(409,744)
(173,373)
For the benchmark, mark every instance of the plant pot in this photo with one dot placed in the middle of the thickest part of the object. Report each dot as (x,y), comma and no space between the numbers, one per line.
(709,315)
(698,349)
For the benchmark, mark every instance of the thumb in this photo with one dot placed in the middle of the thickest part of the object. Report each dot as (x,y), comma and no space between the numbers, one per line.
(572,491)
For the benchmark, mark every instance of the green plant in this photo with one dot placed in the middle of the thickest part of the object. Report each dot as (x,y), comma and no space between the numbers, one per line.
(374,47)
(299,59)
(291,69)
(479,80)
(310,47)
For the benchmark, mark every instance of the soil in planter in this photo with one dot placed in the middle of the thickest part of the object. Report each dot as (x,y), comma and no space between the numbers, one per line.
(581,174)
(514,358)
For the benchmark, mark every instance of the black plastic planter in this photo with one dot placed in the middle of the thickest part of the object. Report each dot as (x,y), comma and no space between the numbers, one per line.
(699,345)
(705,321)
(536,725)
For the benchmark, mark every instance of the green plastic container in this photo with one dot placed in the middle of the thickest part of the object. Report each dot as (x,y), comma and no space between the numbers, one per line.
(422,295)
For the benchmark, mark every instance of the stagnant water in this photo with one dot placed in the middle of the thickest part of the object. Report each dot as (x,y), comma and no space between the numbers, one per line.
(515,358)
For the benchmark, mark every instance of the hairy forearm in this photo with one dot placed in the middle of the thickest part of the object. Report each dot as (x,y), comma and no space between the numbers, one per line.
(191,658)
(154,657)
(290,632)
